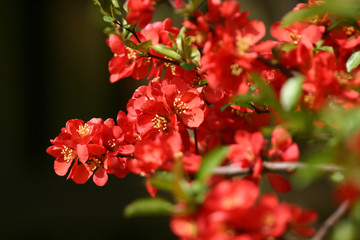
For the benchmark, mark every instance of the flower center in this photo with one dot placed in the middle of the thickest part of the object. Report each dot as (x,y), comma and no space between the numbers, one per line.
(349,30)
(342,77)
(68,154)
(179,106)
(294,36)
(242,44)
(161,123)
(84,130)
(94,163)
(111,143)
(131,53)
(236,70)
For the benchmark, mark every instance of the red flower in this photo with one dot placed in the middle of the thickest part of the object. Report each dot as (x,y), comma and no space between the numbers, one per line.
(283,149)
(245,152)
(231,198)
(188,106)
(300,219)
(152,154)
(140,12)
(268,219)
(126,61)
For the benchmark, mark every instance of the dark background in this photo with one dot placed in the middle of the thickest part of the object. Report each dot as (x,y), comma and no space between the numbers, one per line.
(54,68)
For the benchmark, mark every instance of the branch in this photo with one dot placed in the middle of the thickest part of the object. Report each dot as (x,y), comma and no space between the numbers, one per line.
(279,67)
(276,166)
(132,30)
(330,222)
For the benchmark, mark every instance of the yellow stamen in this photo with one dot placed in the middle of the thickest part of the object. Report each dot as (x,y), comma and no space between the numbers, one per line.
(84,130)
(161,123)
(236,70)
(68,154)
(94,163)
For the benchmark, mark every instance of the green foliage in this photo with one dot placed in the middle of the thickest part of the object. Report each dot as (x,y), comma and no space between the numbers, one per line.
(345,9)
(167,51)
(212,160)
(344,230)
(353,61)
(148,207)
(291,92)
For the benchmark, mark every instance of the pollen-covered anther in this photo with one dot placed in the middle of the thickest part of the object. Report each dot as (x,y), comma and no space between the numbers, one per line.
(237,112)
(236,70)
(111,143)
(342,77)
(131,53)
(309,99)
(179,106)
(173,70)
(242,44)
(68,154)
(268,220)
(84,130)
(349,30)
(94,163)
(160,123)
(294,36)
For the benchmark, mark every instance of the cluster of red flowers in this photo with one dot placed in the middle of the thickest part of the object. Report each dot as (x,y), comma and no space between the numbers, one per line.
(184,113)
(230,211)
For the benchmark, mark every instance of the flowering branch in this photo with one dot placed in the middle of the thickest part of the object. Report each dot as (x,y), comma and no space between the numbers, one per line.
(276,166)
(330,222)
(133,32)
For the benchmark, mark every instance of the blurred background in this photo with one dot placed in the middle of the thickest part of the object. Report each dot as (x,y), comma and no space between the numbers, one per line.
(54,68)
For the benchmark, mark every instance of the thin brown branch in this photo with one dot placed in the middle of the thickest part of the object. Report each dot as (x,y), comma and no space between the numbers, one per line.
(277,167)
(279,67)
(132,30)
(162,59)
(330,222)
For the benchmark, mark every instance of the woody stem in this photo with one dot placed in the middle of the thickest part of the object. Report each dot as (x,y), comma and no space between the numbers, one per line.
(277,167)
(331,220)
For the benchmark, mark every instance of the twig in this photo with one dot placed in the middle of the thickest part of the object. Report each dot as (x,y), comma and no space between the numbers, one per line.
(330,222)
(117,22)
(279,67)
(196,141)
(276,166)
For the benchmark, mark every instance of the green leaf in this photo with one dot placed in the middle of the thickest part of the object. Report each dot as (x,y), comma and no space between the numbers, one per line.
(224,107)
(180,39)
(144,46)
(290,93)
(194,55)
(163,180)
(297,16)
(187,66)
(148,207)
(267,95)
(344,230)
(210,162)
(326,48)
(203,82)
(110,31)
(167,51)
(130,44)
(319,43)
(287,47)
(353,61)
(106,6)
(342,9)
(108,19)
